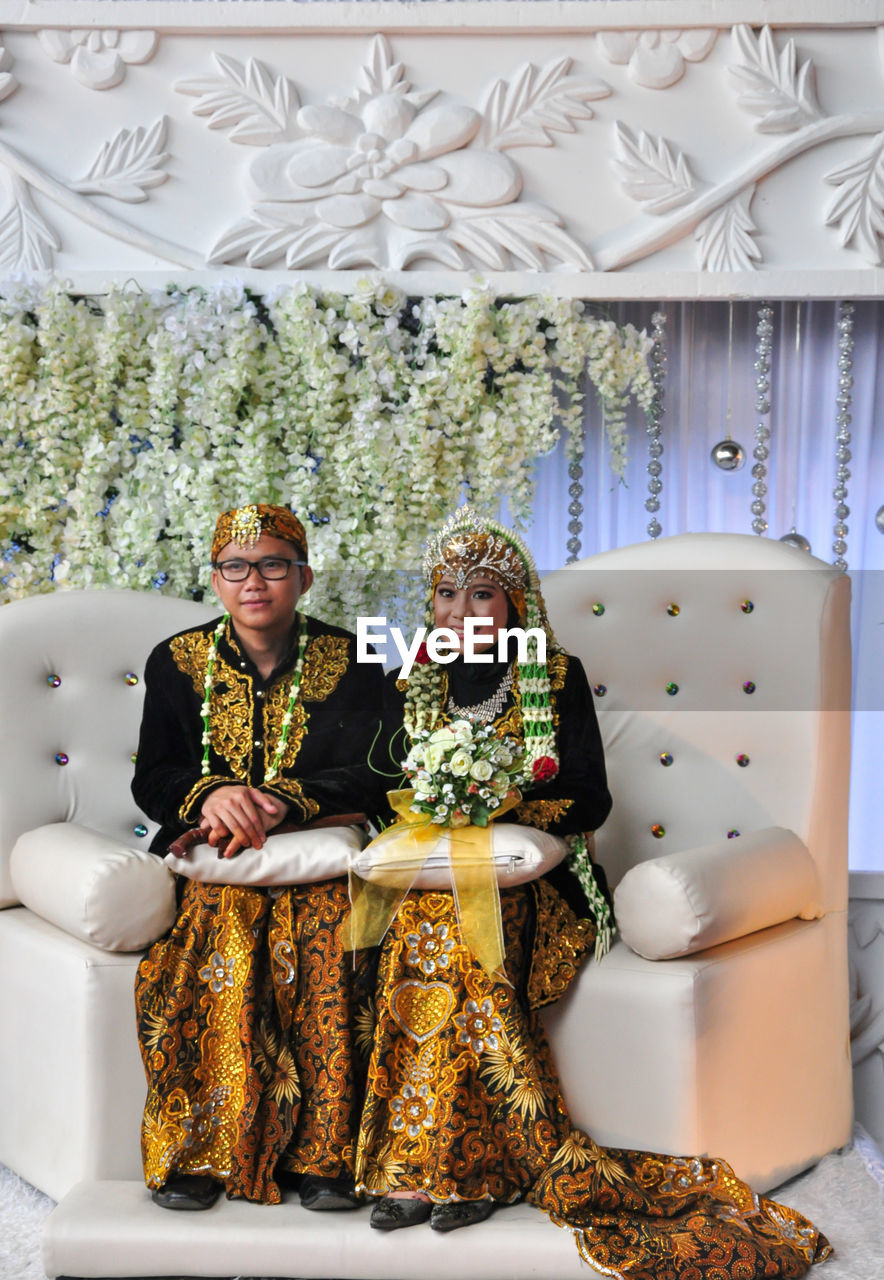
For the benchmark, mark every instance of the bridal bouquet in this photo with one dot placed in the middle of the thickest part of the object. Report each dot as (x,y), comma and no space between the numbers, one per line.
(462,773)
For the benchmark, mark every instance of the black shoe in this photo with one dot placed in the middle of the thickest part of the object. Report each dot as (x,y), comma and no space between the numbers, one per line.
(389,1213)
(460,1213)
(187,1191)
(328,1193)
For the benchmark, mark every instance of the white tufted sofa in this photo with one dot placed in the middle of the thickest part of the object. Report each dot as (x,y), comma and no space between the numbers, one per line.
(734,1042)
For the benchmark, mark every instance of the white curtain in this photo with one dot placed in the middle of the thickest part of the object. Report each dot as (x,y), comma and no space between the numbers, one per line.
(707,374)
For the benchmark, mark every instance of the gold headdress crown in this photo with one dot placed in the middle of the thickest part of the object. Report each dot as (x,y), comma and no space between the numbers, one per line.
(244,526)
(468,545)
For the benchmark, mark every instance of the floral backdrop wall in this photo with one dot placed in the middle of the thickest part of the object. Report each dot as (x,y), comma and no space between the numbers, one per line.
(127,422)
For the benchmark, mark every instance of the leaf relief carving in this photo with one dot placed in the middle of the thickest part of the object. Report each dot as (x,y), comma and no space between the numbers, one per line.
(523,111)
(650,173)
(526,232)
(725,237)
(26,239)
(857,208)
(776,89)
(128,165)
(8,82)
(245,99)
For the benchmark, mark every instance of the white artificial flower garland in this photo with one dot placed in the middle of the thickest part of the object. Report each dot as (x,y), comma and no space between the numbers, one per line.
(127,422)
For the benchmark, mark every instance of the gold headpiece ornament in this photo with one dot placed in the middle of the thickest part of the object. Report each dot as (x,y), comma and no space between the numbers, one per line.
(469,545)
(245,525)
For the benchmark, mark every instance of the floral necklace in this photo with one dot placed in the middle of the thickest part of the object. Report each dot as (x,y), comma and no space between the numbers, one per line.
(206,708)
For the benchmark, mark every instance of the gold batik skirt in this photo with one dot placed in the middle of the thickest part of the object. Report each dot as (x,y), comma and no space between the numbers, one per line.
(463,1102)
(245,1013)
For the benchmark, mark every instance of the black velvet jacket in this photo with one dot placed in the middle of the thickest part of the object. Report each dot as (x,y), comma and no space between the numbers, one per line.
(575,800)
(334,722)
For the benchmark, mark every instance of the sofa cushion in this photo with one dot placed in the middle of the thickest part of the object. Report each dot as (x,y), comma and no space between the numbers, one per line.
(92,886)
(697,898)
(520,854)
(291,857)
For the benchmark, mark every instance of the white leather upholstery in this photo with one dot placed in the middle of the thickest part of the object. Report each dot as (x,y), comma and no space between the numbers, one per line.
(696,898)
(91,641)
(738,1050)
(93,887)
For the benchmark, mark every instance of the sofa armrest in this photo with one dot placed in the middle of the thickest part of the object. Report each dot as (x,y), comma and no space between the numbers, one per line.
(93,887)
(696,898)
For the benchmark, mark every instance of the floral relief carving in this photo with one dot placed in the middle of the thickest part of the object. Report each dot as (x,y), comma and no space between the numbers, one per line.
(779,89)
(8,82)
(98,57)
(391,174)
(656,59)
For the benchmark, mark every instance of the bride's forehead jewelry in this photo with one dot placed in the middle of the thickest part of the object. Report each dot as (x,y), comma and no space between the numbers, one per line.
(245,525)
(468,545)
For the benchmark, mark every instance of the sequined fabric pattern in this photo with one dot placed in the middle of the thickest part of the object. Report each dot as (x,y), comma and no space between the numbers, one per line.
(245,1020)
(463,1100)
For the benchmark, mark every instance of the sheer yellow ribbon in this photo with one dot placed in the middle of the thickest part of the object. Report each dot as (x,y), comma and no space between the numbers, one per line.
(406,846)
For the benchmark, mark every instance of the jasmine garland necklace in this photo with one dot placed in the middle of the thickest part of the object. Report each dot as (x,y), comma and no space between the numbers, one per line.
(206,709)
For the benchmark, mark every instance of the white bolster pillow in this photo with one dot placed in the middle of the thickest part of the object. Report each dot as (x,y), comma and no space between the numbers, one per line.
(697,898)
(519,854)
(92,886)
(288,857)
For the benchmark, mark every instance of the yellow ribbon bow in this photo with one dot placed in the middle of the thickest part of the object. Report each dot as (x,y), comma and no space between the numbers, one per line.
(377,893)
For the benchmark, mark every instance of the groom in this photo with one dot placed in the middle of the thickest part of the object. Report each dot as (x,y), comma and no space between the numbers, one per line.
(245,1008)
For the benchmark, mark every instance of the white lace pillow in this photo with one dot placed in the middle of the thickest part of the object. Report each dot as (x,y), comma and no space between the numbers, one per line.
(292,857)
(520,854)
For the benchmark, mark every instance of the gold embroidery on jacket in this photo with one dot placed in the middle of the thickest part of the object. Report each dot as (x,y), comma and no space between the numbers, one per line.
(191,655)
(275,704)
(293,791)
(560,943)
(231,718)
(542,813)
(558,669)
(325,662)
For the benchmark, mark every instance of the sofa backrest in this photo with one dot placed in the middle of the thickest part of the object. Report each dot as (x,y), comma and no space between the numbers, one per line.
(672,633)
(71,691)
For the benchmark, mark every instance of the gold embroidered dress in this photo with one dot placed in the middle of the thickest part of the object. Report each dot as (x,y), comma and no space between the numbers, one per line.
(246,1009)
(463,1100)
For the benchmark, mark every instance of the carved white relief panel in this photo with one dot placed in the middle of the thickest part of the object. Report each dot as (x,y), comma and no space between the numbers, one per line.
(604,160)
(866,949)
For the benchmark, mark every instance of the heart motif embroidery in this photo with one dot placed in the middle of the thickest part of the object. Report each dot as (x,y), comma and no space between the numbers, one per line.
(421,1008)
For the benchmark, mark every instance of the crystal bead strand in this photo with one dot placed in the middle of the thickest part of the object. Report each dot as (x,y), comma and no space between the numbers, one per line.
(574,448)
(761,452)
(843,420)
(655,415)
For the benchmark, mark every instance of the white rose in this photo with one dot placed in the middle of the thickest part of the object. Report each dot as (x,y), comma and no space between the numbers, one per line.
(460,763)
(481,771)
(462,731)
(443,737)
(434,754)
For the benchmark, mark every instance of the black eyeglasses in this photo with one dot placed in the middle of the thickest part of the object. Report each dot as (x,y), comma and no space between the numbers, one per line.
(270,567)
